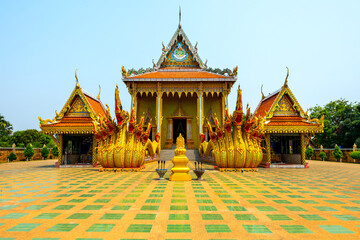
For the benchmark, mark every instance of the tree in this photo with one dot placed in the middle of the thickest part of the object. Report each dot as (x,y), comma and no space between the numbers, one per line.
(29,151)
(355,155)
(45,152)
(12,157)
(309,152)
(322,155)
(341,123)
(5,132)
(55,151)
(337,153)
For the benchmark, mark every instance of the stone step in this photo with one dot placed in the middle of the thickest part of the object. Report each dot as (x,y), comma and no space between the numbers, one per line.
(168,154)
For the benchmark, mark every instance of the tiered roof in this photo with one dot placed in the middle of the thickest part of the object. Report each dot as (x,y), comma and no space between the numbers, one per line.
(284,114)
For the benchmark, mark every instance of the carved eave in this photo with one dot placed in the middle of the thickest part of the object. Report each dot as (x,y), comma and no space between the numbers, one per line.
(179,113)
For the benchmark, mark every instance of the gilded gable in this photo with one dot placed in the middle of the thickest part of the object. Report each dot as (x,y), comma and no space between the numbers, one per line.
(78,109)
(285,107)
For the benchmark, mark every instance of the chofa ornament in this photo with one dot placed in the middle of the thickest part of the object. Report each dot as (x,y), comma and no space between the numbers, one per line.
(238,143)
(123,144)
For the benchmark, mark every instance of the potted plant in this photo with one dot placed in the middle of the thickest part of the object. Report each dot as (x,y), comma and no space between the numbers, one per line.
(29,152)
(337,153)
(12,156)
(322,155)
(45,152)
(355,155)
(309,152)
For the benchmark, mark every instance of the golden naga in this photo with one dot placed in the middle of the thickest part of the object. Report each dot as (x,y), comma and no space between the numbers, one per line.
(123,144)
(46,121)
(124,72)
(238,143)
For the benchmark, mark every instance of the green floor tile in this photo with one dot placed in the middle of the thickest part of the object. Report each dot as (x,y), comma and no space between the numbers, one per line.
(14,216)
(156,200)
(335,229)
(217,228)
(177,200)
(204,201)
(211,217)
(102,201)
(266,208)
(79,216)
(334,201)
(112,216)
(62,227)
(256,229)
(141,216)
(278,217)
(92,207)
(346,217)
(207,208)
(24,227)
(150,207)
(312,217)
(308,201)
(245,217)
(256,201)
(139,228)
(77,200)
(178,207)
(353,209)
(236,208)
(178,228)
(47,216)
(178,216)
(121,208)
(98,227)
(35,207)
(282,201)
(295,208)
(64,207)
(325,208)
(295,229)
(45,239)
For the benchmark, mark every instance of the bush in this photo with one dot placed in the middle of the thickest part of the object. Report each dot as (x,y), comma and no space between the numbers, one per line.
(309,152)
(12,157)
(55,151)
(45,152)
(322,155)
(355,155)
(337,153)
(29,151)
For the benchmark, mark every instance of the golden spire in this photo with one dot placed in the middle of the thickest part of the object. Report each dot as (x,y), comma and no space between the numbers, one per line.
(287,75)
(262,94)
(77,80)
(98,96)
(179,16)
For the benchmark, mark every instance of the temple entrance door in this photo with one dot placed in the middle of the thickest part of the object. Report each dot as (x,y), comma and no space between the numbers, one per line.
(179,126)
(77,149)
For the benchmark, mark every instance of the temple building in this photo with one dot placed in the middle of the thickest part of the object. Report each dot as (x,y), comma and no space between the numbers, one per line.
(72,129)
(287,127)
(179,94)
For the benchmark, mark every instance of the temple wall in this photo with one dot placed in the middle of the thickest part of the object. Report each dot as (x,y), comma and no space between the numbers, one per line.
(214,103)
(143,104)
(4,152)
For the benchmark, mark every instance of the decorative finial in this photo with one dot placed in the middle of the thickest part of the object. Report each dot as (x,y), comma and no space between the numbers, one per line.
(98,96)
(262,94)
(179,16)
(196,46)
(154,65)
(77,80)
(287,75)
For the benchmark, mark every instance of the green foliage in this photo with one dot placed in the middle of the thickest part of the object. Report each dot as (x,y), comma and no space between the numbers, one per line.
(29,151)
(5,127)
(45,152)
(309,152)
(355,155)
(337,153)
(322,155)
(12,156)
(55,151)
(341,123)
(357,142)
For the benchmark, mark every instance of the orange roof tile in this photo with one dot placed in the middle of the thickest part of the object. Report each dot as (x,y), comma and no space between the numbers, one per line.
(265,105)
(96,105)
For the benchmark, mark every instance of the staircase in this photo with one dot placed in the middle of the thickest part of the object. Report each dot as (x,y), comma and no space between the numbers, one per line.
(168,154)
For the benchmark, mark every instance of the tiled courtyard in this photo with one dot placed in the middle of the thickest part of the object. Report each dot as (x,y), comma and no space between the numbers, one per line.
(38,201)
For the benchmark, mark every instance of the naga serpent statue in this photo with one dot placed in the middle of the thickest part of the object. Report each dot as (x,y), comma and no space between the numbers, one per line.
(123,144)
(238,143)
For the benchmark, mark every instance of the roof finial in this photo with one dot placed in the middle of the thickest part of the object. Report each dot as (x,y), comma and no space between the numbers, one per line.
(179,16)
(98,96)
(77,80)
(287,75)
(262,94)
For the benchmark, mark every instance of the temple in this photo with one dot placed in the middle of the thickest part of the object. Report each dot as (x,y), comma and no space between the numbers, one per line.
(72,129)
(287,127)
(179,94)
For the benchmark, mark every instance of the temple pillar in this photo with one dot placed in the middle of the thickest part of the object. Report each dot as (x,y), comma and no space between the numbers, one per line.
(200,110)
(189,140)
(223,108)
(169,138)
(268,148)
(94,158)
(303,147)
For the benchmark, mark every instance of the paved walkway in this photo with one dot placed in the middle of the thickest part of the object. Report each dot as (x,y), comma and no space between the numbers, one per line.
(41,202)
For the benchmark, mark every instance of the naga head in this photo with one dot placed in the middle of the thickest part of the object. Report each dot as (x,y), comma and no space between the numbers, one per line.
(121,115)
(248,120)
(202,137)
(219,132)
(97,131)
(238,113)
(227,121)
(139,128)
(145,135)
(157,137)
(212,135)
(132,121)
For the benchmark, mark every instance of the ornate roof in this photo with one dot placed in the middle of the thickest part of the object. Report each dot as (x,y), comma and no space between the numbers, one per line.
(284,114)
(77,115)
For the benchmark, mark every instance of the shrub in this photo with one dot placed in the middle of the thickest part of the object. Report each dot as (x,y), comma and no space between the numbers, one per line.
(29,151)
(12,156)
(45,152)
(309,152)
(322,155)
(337,153)
(355,155)
(55,151)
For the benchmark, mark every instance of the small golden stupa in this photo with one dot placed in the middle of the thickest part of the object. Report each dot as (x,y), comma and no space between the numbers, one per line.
(180,171)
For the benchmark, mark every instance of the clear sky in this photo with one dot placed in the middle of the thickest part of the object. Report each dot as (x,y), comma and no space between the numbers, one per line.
(43,42)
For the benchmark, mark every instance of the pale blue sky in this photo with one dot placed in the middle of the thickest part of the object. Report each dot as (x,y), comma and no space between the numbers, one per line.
(43,42)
